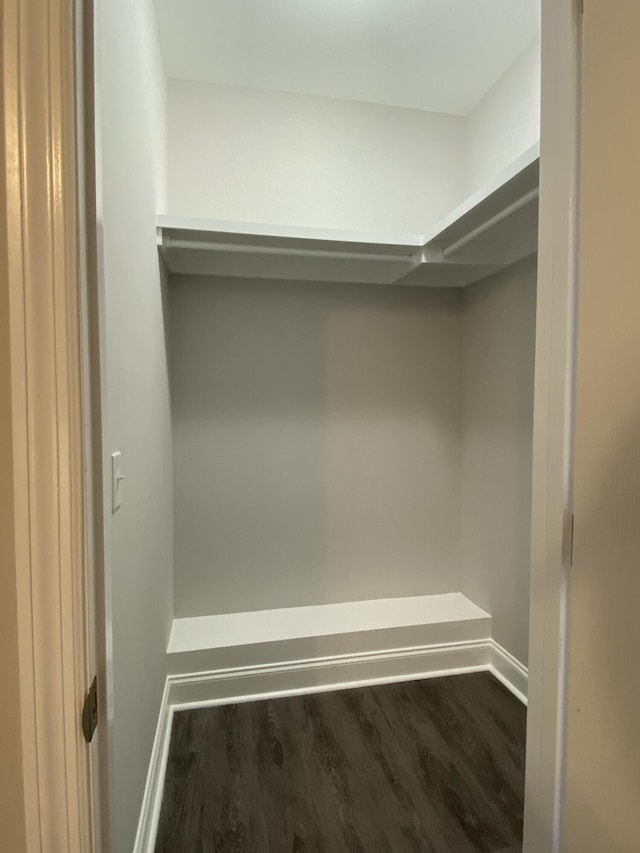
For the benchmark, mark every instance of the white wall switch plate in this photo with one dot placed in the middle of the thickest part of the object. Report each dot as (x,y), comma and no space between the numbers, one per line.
(117,478)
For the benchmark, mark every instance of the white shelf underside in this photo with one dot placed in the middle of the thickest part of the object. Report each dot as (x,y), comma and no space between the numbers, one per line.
(491,230)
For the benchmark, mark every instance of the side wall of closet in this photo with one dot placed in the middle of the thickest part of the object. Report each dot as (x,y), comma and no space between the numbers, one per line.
(506,122)
(130,135)
(498,344)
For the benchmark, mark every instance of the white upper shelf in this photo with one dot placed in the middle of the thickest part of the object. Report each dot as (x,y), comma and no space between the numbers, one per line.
(492,229)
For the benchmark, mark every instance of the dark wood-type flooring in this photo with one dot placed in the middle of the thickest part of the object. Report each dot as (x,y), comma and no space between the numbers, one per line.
(434,765)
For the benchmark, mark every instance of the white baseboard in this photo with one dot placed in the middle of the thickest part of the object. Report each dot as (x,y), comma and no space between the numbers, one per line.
(330,673)
(509,671)
(152,798)
(226,686)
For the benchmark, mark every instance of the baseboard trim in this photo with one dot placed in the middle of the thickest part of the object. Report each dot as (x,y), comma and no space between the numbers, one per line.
(152,798)
(292,678)
(508,669)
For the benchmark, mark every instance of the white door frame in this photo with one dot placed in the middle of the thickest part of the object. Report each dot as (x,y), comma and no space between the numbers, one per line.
(552,499)
(46,306)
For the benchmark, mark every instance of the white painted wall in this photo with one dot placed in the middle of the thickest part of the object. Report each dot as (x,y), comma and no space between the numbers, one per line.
(506,122)
(264,156)
(316,443)
(497,415)
(139,553)
(257,156)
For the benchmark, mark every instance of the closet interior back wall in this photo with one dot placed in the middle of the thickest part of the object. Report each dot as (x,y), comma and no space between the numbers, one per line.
(286,159)
(341,443)
(317,443)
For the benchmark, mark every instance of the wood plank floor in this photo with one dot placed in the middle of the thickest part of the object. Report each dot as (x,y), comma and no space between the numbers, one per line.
(434,765)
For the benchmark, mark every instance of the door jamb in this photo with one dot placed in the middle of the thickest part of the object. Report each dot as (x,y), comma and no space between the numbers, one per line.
(552,486)
(92,343)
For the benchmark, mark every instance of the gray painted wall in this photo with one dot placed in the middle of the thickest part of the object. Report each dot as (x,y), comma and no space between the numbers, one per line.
(316,443)
(497,413)
(335,443)
(139,558)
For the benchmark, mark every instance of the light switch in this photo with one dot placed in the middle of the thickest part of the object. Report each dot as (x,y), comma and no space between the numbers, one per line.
(117,478)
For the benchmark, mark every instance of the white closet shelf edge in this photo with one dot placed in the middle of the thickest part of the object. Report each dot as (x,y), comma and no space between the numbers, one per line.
(492,229)
(516,179)
(247,231)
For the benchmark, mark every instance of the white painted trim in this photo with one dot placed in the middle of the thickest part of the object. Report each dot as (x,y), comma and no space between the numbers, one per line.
(295,678)
(508,669)
(289,232)
(219,687)
(552,498)
(510,172)
(152,797)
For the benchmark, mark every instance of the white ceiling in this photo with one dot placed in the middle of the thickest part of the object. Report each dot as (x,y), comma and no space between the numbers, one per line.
(441,55)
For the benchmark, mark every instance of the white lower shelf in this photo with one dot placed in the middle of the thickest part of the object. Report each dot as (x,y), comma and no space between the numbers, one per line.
(319,631)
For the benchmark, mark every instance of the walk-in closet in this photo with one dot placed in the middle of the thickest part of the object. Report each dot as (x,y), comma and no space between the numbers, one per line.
(318,232)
